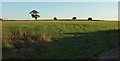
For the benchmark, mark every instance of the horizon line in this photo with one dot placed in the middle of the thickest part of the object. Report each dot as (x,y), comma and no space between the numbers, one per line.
(59,18)
(65,19)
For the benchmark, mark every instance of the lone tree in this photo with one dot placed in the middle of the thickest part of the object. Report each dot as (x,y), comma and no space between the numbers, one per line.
(74,18)
(90,18)
(34,14)
(55,18)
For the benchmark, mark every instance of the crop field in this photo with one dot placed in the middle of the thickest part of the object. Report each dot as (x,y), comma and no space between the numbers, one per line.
(58,39)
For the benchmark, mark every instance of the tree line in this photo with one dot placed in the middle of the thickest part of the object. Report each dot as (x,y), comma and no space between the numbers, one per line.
(35,14)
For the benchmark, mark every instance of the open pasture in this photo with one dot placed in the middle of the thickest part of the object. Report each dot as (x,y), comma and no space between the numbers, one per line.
(58,39)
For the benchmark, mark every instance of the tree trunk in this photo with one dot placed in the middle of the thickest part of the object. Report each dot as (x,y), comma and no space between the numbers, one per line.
(36,19)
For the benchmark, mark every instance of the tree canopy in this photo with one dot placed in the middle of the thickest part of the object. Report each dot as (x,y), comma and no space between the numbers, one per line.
(34,14)
(55,18)
(89,18)
(74,18)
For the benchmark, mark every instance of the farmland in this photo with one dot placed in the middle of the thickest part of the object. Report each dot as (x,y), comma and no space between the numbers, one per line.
(58,39)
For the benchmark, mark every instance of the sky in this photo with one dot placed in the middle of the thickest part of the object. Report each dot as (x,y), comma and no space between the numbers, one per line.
(96,10)
(60,0)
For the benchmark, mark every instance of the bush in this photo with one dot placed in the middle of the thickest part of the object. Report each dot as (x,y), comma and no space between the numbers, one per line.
(74,18)
(55,18)
(90,18)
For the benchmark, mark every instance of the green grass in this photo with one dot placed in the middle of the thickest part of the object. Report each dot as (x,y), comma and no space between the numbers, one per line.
(78,39)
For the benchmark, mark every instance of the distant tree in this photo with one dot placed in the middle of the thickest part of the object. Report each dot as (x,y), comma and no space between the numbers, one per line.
(74,18)
(1,19)
(34,14)
(55,18)
(90,18)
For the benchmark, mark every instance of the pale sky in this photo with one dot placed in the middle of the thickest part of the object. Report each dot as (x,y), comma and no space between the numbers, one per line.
(12,9)
(60,0)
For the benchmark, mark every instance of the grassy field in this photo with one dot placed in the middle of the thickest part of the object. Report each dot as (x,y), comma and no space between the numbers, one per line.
(58,39)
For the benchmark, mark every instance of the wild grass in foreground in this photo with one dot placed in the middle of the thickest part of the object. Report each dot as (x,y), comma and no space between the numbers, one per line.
(58,39)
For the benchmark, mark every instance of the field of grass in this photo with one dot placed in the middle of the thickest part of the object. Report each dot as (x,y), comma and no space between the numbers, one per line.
(58,39)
